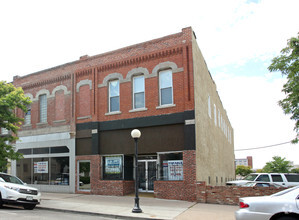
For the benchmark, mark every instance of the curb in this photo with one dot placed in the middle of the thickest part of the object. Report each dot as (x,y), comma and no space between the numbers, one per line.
(98,214)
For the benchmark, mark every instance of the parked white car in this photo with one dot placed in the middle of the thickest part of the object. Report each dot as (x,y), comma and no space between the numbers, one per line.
(283,179)
(283,205)
(262,184)
(14,191)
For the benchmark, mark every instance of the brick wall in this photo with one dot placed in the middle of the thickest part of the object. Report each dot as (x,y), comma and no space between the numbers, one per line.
(83,101)
(103,187)
(125,63)
(191,190)
(59,99)
(180,190)
(229,195)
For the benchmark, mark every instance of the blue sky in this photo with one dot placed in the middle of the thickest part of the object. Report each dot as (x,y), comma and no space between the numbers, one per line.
(238,39)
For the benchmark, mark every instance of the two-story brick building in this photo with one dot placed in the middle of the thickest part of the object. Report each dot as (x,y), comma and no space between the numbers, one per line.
(76,135)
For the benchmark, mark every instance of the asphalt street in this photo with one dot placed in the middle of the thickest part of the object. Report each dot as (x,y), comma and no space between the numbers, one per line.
(17,213)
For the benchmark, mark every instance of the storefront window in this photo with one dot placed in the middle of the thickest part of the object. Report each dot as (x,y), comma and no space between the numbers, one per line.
(45,170)
(60,170)
(171,166)
(24,169)
(41,170)
(113,167)
(117,167)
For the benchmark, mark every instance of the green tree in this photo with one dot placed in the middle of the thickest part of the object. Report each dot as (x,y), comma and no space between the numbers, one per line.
(243,170)
(295,170)
(278,165)
(288,64)
(11,98)
(259,171)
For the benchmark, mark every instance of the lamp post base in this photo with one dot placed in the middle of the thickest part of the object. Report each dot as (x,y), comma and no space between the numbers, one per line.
(136,208)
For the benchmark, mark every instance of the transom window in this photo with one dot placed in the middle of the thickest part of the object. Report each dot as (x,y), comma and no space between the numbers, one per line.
(165,83)
(138,92)
(114,96)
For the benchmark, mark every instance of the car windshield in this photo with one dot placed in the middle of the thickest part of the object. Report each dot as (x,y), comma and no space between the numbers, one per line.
(249,184)
(250,177)
(11,179)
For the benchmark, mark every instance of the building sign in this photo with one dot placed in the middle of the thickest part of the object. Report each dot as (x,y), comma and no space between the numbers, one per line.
(173,169)
(113,165)
(41,167)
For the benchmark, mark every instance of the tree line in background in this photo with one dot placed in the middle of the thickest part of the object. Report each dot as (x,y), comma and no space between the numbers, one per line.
(278,165)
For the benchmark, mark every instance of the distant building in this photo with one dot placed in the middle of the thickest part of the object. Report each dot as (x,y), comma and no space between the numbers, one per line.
(245,162)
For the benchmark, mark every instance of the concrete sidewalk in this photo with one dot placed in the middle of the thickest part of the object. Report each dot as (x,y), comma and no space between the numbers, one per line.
(121,207)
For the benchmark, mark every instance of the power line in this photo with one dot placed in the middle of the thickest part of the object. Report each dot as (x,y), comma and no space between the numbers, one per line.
(255,148)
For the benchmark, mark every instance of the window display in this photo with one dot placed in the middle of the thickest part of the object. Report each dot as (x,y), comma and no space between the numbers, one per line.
(171,166)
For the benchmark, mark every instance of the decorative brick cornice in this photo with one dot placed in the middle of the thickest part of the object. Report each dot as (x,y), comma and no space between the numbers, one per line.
(84,72)
(47,82)
(140,59)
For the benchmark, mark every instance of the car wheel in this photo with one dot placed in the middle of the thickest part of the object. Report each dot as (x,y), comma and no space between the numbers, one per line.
(286,218)
(29,206)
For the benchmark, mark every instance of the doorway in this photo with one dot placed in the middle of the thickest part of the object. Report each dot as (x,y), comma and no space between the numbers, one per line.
(147,170)
(83,175)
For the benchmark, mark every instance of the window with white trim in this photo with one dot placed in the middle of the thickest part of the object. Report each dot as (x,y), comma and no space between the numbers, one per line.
(138,92)
(165,84)
(114,96)
(43,108)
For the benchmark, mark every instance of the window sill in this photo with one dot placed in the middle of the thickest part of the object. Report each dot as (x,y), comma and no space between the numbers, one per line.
(165,106)
(27,126)
(42,123)
(138,110)
(60,121)
(113,113)
(84,117)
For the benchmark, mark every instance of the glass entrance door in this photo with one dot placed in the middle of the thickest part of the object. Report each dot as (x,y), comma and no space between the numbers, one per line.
(83,175)
(147,175)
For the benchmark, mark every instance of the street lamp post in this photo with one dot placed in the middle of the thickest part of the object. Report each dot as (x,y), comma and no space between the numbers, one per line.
(136,135)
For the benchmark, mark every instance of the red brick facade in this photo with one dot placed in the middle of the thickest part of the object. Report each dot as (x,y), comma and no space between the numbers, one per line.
(97,97)
(78,98)
(180,190)
(99,186)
